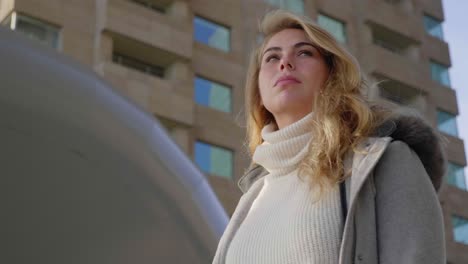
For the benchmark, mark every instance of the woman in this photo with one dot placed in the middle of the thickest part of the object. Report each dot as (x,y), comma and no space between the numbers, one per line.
(334,179)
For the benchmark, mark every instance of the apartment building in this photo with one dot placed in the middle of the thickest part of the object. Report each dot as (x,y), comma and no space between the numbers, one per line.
(185,62)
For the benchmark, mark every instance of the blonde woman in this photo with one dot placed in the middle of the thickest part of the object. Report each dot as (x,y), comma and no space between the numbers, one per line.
(333,179)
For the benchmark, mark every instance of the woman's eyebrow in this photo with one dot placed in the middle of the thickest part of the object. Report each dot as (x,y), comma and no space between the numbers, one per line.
(272,49)
(300,44)
(297,45)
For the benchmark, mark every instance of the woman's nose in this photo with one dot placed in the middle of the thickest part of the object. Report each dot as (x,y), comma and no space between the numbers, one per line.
(286,63)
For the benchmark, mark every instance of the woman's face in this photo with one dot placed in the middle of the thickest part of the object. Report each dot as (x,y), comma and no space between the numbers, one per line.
(292,72)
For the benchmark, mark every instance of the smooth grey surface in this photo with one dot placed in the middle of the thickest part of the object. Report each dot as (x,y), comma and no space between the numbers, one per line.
(88,177)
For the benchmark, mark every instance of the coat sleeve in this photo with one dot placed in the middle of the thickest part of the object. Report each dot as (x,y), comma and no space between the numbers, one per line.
(409,217)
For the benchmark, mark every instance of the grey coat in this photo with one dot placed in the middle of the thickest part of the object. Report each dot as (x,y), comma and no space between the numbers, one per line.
(394,214)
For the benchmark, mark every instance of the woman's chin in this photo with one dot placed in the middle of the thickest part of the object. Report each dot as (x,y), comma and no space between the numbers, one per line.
(288,98)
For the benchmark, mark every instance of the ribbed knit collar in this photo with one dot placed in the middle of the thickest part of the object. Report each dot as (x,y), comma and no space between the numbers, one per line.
(283,149)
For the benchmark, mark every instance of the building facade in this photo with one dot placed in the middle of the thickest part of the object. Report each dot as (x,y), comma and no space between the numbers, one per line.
(185,62)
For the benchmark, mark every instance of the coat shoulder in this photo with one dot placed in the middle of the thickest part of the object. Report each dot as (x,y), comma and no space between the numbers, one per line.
(419,136)
(401,166)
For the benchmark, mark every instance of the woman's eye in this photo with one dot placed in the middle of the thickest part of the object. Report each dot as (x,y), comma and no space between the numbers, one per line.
(271,57)
(305,53)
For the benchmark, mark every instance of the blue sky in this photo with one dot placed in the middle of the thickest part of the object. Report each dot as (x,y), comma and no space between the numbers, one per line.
(456,34)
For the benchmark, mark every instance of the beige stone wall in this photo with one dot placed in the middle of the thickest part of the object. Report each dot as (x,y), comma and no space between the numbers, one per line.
(6,8)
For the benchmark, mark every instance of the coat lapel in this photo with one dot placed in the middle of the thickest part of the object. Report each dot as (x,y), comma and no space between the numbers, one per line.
(363,163)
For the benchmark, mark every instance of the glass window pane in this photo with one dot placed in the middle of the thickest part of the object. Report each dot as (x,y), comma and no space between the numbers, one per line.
(212,34)
(460,229)
(433,27)
(456,176)
(296,6)
(333,26)
(203,156)
(221,162)
(37,30)
(214,160)
(440,74)
(211,94)
(447,123)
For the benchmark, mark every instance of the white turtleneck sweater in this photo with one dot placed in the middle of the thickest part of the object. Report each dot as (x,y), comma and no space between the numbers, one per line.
(284,224)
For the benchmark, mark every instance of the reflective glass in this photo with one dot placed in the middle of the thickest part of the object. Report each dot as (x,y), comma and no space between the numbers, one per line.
(211,34)
(214,160)
(212,94)
(37,30)
(440,74)
(447,123)
(433,27)
(456,176)
(296,6)
(333,26)
(460,229)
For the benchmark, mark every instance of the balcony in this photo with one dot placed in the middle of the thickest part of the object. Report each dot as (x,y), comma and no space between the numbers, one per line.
(161,30)
(455,149)
(396,17)
(381,61)
(433,7)
(394,41)
(155,95)
(444,97)
(436,49)
(402,94)
(340,9)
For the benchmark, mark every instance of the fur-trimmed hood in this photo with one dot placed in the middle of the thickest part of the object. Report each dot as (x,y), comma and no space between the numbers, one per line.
(422,139)
(411,129)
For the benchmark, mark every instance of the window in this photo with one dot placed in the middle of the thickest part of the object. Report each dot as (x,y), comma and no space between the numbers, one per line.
(433,27)
(460,229)
(212,94)
(456,176)
(440,73)
(150,5)
(214,160)
(296,6)
(447,123)
(212,34)
(35,29)
(138,65)
(333,26)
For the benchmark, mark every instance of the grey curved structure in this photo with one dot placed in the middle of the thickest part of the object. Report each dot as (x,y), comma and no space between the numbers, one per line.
(88,177)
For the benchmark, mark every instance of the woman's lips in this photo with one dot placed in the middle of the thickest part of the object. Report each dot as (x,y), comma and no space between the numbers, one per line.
(286,80)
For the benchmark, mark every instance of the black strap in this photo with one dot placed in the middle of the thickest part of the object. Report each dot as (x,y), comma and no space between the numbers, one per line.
(344,204)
